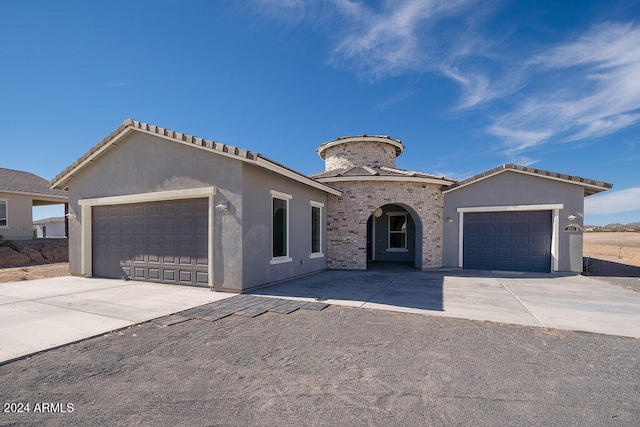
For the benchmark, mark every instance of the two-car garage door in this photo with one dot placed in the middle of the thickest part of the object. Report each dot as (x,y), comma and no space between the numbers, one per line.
(519,241)
(162,241)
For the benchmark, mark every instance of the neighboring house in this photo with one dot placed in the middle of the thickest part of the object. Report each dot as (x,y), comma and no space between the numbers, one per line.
(19,193)
(50,227)
(148,203)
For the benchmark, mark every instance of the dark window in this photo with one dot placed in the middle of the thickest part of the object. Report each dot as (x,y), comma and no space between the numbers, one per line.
(279,228)
(397,231)
(3,213)
(315,230)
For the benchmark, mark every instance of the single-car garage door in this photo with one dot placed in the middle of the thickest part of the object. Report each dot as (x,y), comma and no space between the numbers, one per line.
(517,241)
(163,241)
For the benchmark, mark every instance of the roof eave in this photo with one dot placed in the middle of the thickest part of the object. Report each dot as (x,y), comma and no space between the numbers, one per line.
(129,126)
(37,196)
(587,186)
(388,178)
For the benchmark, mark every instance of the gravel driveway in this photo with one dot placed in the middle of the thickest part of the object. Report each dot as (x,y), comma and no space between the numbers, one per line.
(338,366)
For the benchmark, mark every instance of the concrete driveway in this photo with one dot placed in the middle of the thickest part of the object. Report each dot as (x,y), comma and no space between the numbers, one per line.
(40,314)
(561,301)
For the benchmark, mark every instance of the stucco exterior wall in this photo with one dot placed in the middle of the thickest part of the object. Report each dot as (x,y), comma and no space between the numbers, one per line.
(143,163)
(53,229)
(363,153)
(19,216)
(513,188)
(347,217)
(257,222)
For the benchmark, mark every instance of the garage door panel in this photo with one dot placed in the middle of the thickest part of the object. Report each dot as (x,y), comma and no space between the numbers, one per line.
(186,209)
(140,210)
(155,226)
(185,276)
(508,240)
(153,274)
(520,252)
(202,258)
(487,252)
(202,278)
(521,229)
(170,226)
(503,252)
(503,240)
(126,212)
(158,241)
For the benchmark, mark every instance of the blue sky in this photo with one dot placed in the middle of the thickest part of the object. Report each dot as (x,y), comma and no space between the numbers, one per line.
(466,85)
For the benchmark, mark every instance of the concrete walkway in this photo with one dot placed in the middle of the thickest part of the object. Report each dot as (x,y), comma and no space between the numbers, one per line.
(571,302)
(40,314)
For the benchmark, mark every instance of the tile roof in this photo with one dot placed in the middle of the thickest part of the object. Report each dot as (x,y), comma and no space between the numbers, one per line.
(26,182)
(380,172)
(227,150)
(591,186)
(396,143)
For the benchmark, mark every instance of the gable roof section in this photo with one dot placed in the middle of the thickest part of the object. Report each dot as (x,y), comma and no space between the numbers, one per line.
(379,173)
(590,186)
(128,126)
(27,183)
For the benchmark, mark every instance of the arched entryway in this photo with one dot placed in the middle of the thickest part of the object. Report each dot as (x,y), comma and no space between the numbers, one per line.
(394,236)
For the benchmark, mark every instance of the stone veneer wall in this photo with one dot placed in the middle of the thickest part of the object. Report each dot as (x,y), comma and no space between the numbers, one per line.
(351,154)
(347,217)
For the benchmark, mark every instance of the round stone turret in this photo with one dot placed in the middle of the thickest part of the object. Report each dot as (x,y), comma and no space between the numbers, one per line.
(362,150)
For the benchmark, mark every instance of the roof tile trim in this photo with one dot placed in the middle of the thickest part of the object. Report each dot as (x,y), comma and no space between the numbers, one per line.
(542,172)
(168,133)
(242,154)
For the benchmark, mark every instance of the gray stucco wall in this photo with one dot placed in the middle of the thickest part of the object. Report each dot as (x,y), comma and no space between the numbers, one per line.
(257,186)
(143,163)
(19,215)
(513,188)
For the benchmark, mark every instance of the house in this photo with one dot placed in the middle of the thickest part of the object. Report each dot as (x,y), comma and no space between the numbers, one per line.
(19,193)
(148,203)
(53,227)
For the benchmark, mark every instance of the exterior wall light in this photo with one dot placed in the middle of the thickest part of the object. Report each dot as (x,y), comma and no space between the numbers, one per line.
(572,217)
(223,207)
(449,219)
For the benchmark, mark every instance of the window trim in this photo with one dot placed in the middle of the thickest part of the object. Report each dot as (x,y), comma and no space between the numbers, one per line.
(6,216)
(320,206)
(389,232)
(285,197)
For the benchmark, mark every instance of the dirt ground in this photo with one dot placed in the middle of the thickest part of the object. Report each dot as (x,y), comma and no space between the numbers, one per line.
(623,248)
(32,272)
(339,366)
(614,258)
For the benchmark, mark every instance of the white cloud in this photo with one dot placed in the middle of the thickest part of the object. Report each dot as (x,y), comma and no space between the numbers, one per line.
(613,202)
(588,88)
(583,88)
(395,39)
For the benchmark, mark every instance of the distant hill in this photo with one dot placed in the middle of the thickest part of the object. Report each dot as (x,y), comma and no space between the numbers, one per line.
(634,227)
